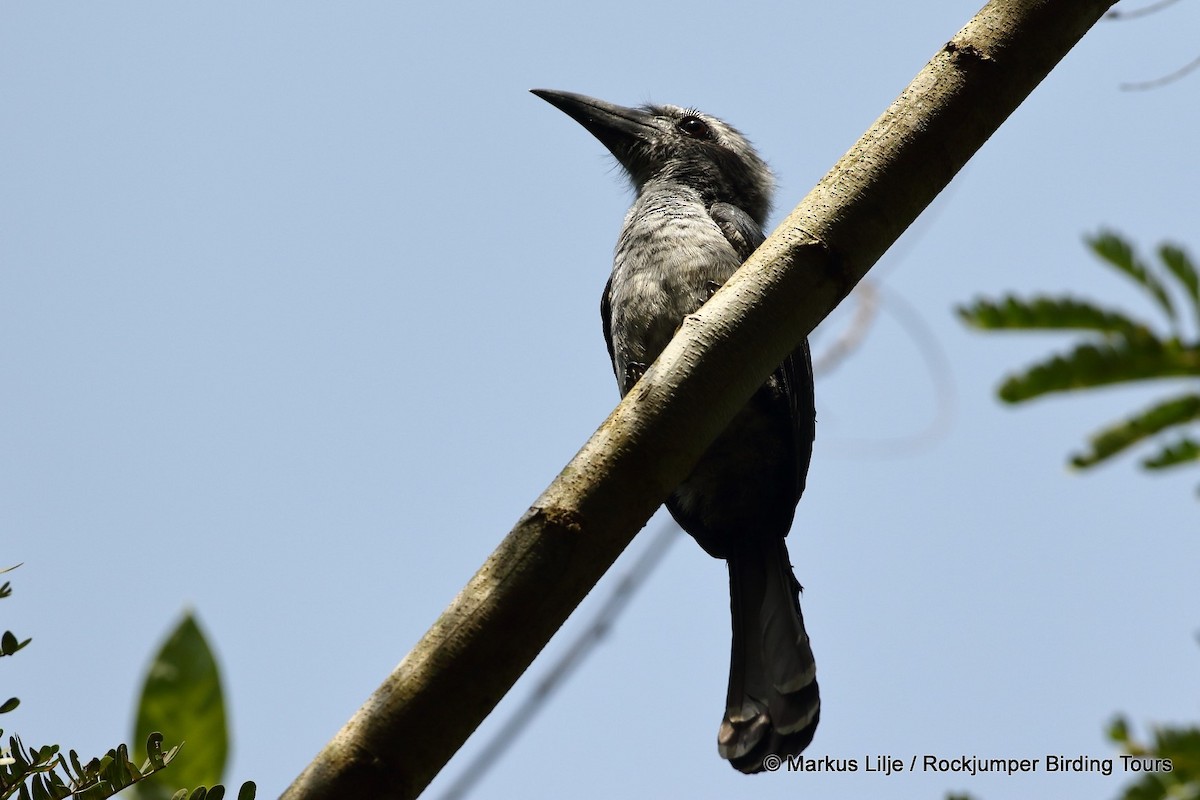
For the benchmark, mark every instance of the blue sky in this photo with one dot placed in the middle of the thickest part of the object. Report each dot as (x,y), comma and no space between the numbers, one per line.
(299,313)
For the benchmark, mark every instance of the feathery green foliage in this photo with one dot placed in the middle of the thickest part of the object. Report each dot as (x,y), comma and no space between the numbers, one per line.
(1119,253)
(1178,747)
(34,772)
(1112,440)
(44,773)
(1117,348)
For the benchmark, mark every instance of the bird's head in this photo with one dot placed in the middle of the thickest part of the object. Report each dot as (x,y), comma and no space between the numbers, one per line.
(673,144)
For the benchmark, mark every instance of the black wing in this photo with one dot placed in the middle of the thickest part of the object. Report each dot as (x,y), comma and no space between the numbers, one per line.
(606,319)
(795,373)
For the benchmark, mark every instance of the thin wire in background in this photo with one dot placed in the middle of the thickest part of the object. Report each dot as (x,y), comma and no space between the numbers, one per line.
(520,717)
(1121,15)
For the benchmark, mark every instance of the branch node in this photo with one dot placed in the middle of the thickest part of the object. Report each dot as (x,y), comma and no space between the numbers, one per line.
(835,267)
(557,519)
(964,53)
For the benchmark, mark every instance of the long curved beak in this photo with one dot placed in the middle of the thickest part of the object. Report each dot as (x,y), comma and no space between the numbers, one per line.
(618,128)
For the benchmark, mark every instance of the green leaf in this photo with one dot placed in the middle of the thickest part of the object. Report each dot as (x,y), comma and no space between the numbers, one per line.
(1116,438)
(96,792)
(182,699)
(6,587)
(248,791)
(77,774)
(1118,730)
(42,788)
(1179,265)
(1049,313)
(58,787)
(1181,746)
(1181,452)
(1091,365)
(9,643)
(118,770)
(1117,252)
(154,749)
(9,704)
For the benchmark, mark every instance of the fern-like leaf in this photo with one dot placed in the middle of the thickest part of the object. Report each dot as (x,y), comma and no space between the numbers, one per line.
(1091,365)
(1050,313)
(1181,266)
(1112,440)
(1178,747)
(25,764)
(33,773)
(1119,253)
(1184,451)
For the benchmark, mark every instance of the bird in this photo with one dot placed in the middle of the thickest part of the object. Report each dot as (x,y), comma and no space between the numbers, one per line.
(702,196)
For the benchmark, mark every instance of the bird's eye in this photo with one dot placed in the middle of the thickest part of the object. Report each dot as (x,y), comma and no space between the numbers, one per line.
(695,127)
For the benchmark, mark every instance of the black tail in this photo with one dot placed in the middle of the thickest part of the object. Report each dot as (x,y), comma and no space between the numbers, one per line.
(773,704)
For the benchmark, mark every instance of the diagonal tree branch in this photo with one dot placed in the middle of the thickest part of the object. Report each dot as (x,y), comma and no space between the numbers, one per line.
(424,711)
